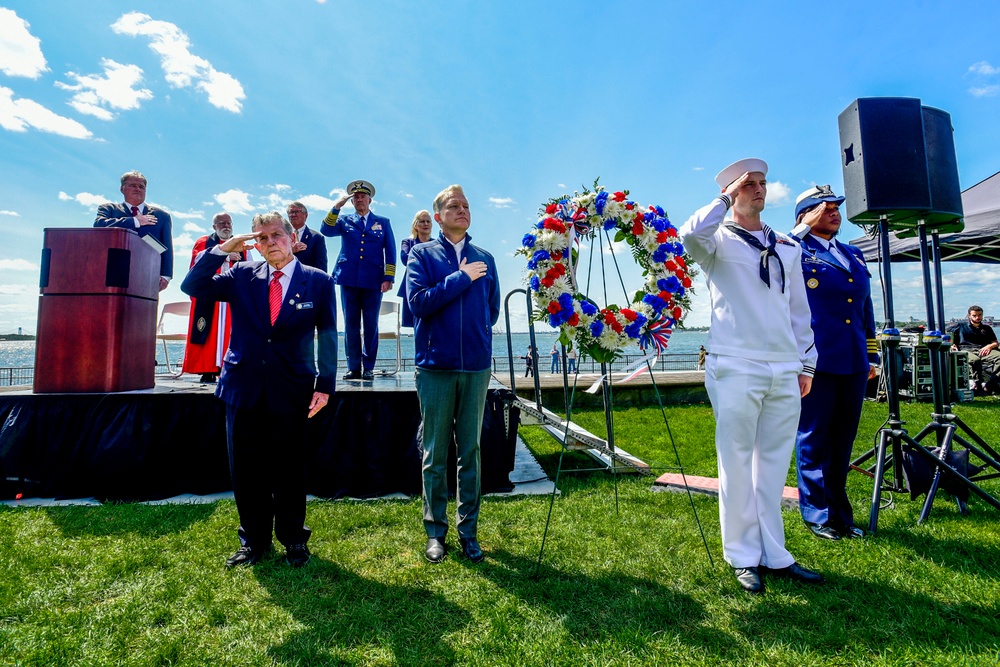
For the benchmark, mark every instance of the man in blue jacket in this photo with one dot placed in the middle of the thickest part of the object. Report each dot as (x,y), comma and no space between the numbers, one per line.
(454,294)
(366,268)
(269,381)
(309,247)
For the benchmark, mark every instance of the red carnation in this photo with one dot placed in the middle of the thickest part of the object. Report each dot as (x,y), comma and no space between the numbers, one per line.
(556,255)
(547,281)
(669,265)
(665,295)
(551,209)
(554,307)
(686,282)
(619,196)
(661,237)
(629,206)
(555,225)
(629,314)
(573,320)
(677,312)
(680,260)
(671,232)
(637,226)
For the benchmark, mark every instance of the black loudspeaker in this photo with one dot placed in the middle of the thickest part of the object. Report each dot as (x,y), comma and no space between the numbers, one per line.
(942,168)
(884,159)
(899,161)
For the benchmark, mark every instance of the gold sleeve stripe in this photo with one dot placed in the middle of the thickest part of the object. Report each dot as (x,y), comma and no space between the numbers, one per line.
(390,270)
(331,218)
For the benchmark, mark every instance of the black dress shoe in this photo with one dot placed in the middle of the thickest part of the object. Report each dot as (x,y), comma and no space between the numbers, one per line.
(749,579)
(824,532)
(368,374)
(296,555)
(435,551)
(208,378)
(471,550)
(852,532)
(352,375)
(797,573)
(246,556)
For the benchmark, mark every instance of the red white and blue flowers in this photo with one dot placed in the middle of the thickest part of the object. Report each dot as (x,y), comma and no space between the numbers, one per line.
(604,333)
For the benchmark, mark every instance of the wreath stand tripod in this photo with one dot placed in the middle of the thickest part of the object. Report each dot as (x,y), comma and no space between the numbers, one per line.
(893,438)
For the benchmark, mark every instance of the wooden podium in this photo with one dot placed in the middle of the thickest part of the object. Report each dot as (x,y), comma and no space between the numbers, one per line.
(96,312)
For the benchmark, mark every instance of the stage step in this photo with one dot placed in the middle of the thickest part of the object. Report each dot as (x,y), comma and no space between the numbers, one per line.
(577,438)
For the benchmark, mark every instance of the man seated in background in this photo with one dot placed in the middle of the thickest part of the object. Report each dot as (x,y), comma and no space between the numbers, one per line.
(979,342)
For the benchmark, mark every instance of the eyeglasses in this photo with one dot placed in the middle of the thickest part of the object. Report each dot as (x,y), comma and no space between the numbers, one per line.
(295,211)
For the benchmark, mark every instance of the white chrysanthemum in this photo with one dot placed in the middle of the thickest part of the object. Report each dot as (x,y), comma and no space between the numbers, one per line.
(608,339)
(550,240)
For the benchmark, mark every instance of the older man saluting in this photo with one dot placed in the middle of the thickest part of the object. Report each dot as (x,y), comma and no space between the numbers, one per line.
(269,381)
(365,270)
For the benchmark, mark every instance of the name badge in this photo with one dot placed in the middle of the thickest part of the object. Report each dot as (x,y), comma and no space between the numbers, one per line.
(305,305)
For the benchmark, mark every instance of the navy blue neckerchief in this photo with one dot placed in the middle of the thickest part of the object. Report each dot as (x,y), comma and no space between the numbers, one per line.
(765,251)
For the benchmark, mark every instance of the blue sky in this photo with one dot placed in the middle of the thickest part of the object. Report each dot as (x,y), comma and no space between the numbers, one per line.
(247,106)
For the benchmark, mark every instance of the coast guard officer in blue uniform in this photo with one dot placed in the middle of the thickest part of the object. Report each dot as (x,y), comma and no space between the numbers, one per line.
(366,268)
(838,285)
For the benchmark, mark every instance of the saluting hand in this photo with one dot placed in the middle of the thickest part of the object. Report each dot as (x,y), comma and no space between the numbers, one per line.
(475,270)
(339,204)
(733,188)
(238,242)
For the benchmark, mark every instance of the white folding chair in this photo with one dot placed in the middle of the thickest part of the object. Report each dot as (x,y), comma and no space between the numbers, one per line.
(173,318)
(391,308)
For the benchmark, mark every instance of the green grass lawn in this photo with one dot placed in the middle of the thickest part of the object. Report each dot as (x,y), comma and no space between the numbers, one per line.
(145,585)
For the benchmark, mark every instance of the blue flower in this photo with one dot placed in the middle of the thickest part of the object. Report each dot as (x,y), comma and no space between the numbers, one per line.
(633,328)
(662,284)
(541,256)
(554,320)
(588,308)
(610,224)
(566,301)
(536,284)
(661,254)
(672,285)
(528,241)
(600,202)
(596,328)
(655,302)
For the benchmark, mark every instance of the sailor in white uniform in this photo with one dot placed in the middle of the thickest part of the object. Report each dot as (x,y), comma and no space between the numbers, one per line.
(760,363)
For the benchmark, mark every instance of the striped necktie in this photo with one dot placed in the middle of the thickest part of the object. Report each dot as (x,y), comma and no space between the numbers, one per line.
(274,295)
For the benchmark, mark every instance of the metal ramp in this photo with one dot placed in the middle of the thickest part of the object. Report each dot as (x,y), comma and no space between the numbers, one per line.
(577,438)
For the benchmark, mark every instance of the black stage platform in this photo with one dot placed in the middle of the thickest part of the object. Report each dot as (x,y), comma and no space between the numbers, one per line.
(171,440)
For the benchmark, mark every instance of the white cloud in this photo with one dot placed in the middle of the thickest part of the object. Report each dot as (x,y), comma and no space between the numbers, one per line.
(984,91)
(778,194)
(20,51)
(115,89)
(276,201)
(17,290)
(281,187)
(561,186)
(17,115)
(17,265)
(698,169)
(406,194)
(501,202)
(181,68)
(984,68)
(234,201)
(85,199)
(317,203)
(190,215)
(11,213)
(338,192)
(191,227)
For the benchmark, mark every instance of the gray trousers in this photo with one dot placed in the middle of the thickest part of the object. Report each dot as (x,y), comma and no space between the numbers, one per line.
(451,406)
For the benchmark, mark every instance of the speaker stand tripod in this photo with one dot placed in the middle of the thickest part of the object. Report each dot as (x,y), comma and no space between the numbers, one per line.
(894,437)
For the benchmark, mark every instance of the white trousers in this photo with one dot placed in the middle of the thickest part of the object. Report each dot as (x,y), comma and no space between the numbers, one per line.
(756,406)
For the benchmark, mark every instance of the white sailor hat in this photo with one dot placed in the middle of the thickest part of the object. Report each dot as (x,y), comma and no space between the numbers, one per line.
(361,186)
(738,168)
(815,196)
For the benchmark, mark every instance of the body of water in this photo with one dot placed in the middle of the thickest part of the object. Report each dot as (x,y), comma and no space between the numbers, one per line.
(681,353)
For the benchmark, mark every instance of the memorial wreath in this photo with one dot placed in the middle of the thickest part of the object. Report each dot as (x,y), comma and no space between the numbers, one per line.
(604,332)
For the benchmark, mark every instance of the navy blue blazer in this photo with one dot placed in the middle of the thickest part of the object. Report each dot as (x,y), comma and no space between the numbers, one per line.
(367,256)
(276,364)
(315,253)
(120,215)
(843,320)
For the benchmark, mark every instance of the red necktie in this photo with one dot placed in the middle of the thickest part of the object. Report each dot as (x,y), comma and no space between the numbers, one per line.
(274,295)
(135,211)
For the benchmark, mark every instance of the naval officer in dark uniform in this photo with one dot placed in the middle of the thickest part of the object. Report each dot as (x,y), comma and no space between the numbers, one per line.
(838,285)
(366,268)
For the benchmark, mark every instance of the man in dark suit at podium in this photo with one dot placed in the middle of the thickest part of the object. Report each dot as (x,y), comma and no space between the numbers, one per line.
(309,247)
(269,381)
(146,220)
